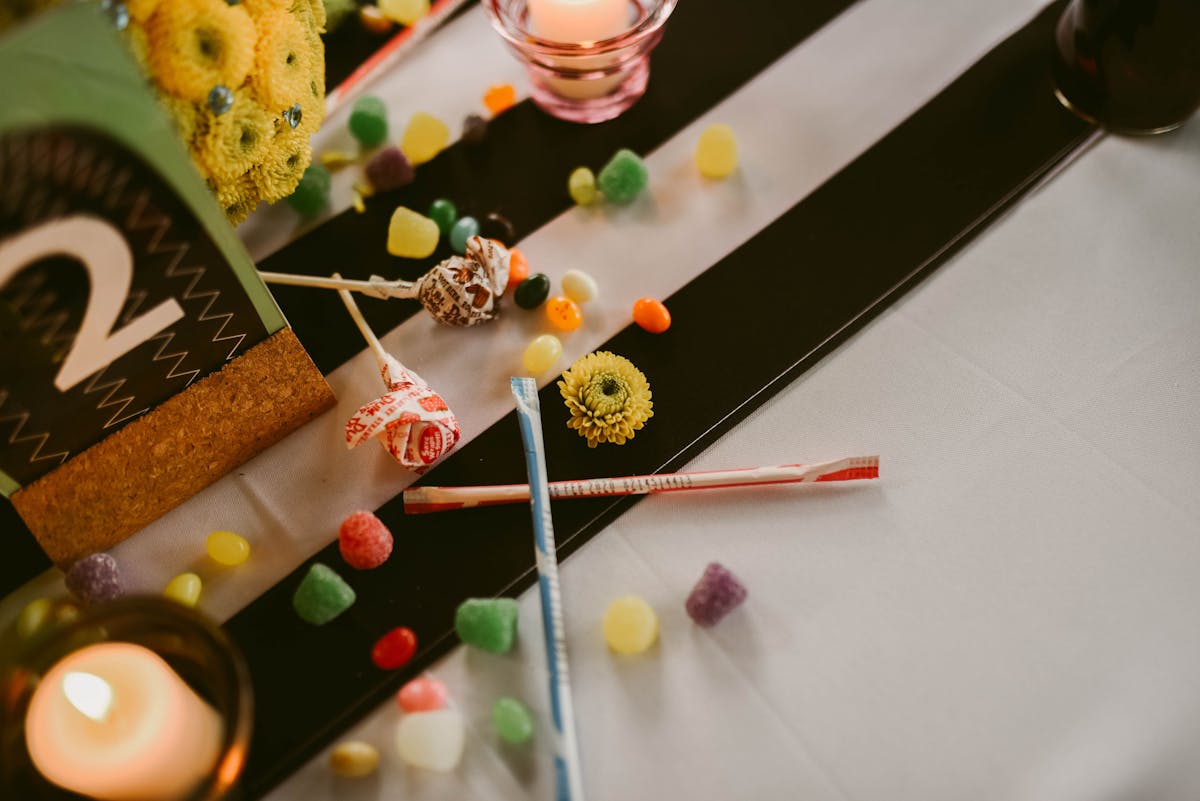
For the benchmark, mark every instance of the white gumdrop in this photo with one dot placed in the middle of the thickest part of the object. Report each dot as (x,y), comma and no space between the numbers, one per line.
(432,740)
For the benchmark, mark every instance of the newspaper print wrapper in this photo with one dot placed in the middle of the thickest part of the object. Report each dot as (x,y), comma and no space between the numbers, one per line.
(411,420)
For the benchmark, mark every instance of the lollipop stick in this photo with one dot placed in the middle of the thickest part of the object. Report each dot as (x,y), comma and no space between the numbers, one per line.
(374,288)
(357,316)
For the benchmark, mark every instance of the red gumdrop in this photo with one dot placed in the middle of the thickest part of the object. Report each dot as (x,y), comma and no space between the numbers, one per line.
(394,649)
(424,694)
(364,541)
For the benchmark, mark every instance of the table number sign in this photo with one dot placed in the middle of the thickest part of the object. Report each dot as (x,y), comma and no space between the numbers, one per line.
(142,356)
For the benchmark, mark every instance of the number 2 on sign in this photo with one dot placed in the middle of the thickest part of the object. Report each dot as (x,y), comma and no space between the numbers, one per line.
(105,255)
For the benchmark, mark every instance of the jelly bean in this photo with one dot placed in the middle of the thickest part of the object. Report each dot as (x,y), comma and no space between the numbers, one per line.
(496,226)
(311,194)
(444,213)
(368,121)
(489,624)
(410,235)
(423,694)
(364,541)
(394,649)
(424,137)
(33,617)
(651,315)
(563,313)
(336,159)
(541,354)
(432,740)
(373,21)
(716,153)
(95,578)
(406,12)
(623,178)
(579,286)
(630,625)
(474,129)
(462,230)
(354,759)
(716,594)
(499,97)
(184,588)
(227,548)
(389,169)
(518,268)
(581,185)
(531,292)
(512,721)
(322,595)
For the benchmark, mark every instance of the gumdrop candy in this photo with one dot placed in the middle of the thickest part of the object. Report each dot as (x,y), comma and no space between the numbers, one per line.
(389,169)
(322,595)
(423,694)
(364,541)
(432,740)
(623,178)
(489,624)
(311,194)
(95,578)
(368,121)
(424,137)
(406,12)
(716,153)
(411,235)
(184,588)
(716,594)
(630,625)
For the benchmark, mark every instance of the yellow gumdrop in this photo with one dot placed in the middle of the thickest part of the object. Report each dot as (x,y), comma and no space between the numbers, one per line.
(411,235)
(630,625)
(424,137)
(716,152)
(542,353)
(33,617)
(582,186)
(184,588)
(227,548)
(406,12)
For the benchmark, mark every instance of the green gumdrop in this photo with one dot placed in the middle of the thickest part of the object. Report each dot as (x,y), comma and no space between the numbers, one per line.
(623,177)
(489,624)
(512,721)
(322,596)
(368,121)
(312,193)
(444,213)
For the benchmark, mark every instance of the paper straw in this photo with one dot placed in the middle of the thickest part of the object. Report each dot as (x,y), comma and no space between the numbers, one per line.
(421,500)
(566,761)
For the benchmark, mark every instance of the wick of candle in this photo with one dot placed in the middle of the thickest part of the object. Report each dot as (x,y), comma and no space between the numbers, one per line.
(90,694)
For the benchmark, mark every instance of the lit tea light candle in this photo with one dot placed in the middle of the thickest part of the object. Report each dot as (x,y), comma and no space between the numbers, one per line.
(578,21)
(114,722)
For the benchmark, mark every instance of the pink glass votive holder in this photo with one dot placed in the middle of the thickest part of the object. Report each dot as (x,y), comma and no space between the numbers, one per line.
(590,81)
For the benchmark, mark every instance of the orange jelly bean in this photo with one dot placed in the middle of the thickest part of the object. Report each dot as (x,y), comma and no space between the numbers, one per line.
(518,268)
(499,97)
(564,313)
(651,315)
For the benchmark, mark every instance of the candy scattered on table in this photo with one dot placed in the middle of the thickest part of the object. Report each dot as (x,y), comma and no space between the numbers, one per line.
(533,291)
(33,617)
(474,129)
(374,21)
(716,153)
(368,120)
(424,137)
(497,226)
(411,235)
(423,694)
(512,721)
(354,759)
(227,548)
(406,12)
(444,213)
(311,195)
(579,286)
(432,740)
(463,229)
(389,169)
(581,185)
(95,578)
(630,625)
(336,159)
(394,649)
(563,313)
(623,178)
(518,268)
(364,541)
(499,97)
(184,588)
(716,594)
(489,624)
(322,595)
(651,315)
(541,354)
(607,396)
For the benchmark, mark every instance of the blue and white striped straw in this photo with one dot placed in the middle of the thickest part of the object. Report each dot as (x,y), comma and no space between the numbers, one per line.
(569,776)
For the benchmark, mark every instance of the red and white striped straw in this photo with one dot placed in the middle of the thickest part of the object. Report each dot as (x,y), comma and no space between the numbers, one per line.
(421,500)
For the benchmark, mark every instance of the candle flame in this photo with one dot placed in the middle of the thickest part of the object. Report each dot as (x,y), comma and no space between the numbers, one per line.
(88,693)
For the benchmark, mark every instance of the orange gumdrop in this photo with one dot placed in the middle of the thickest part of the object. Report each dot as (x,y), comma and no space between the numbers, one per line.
(651,315)
(564,313)
(518,268)
(499,97)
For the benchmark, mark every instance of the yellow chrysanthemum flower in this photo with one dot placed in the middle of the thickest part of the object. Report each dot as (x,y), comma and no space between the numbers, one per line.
(197,44)
(189,119)
(286,160)
(235,141)
(609,398)
(238,198)
(282,63)
(141,10)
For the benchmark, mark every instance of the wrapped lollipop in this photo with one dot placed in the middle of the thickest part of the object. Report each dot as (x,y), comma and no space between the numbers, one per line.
(462,290)
(410,420)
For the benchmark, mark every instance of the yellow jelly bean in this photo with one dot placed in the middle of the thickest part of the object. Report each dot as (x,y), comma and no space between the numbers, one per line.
(716,153)
(582,186)
(630,625)
(411,235)
(354,758)
(424,138)
(184,588)
(33,617)
(542,353)
(227,548)
(406,12)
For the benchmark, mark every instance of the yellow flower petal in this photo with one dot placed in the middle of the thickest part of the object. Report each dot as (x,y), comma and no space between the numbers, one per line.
(608,397)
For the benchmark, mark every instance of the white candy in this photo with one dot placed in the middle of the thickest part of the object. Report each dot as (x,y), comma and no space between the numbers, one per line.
(432,740)
(579,286)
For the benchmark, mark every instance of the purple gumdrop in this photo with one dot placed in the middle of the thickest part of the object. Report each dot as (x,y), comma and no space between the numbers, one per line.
(95,578)
(716,594)
(389,169)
